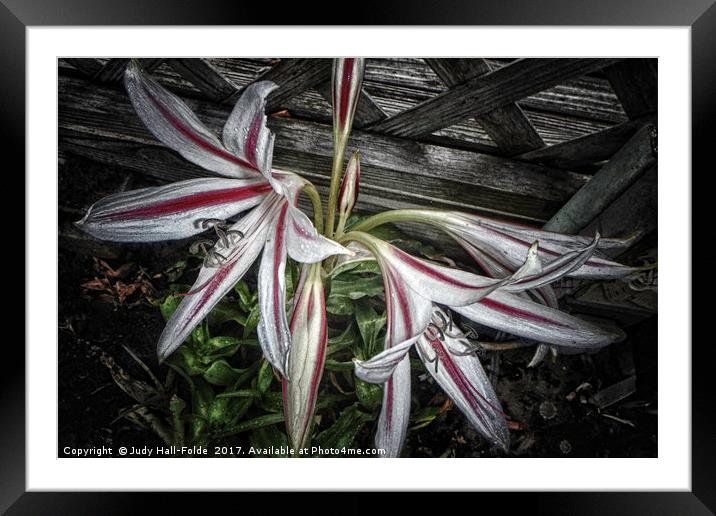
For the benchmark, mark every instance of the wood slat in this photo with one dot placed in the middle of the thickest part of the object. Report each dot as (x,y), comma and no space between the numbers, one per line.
(367,110)
(635,82)
(485,93)
(553,127)
(86,65)
(204,77)
(507,126)
(633,212)
(587,150)
(627,165)
(99,122)
(110,70)
(294,76)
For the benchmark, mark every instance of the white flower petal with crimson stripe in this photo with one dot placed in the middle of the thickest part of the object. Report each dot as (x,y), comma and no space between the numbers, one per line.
(309,335)
(380,367)
(175,125)
(512,314)
(272,329)
(462,378)
(440,284)
(395,412)
(533,275)
(305,245)
(245,132)
(213,283)
(171,211)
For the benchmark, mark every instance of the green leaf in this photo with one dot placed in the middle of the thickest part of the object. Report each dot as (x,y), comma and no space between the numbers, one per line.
(174,272)
(176,407)
(369,266)
(221,373)
(424,417)
(344,430)
(370,325)
(187,361)
(344,340)
(252,321)
(356,287)
(226,311)
(271,402)
(265,377)
(247,299)
(337,305)
(252,424)
(369,394)
(202,399)
(269,436)
(244,393)
(169,305)
(334,365)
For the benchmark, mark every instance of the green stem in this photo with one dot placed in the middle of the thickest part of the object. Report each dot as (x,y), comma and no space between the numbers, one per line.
(336,173)
(312,194)
(406,215)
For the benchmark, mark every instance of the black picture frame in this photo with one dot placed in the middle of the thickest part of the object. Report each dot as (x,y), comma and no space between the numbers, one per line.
(17,15)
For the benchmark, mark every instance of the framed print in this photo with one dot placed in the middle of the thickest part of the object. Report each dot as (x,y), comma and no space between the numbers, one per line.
(268,261)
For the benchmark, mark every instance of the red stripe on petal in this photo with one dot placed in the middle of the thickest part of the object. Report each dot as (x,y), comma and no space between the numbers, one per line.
(278,256)
(389,404)
(187,132)
(348,66)
(422,267)
(252,139)
(190,202)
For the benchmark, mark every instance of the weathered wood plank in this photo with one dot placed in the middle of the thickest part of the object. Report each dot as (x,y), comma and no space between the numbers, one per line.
(615,177)
(99,122)
(507,126)
(367,111)
(108,70)
(293,76)
(589,149)
(553,128)
(633,212)
(485,93)
(635,82)
(205,77)
(86,65)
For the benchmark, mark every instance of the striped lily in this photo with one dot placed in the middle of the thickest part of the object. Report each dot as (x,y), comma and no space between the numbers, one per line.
(507,243)
(413,286)
(186,208)
(309,336)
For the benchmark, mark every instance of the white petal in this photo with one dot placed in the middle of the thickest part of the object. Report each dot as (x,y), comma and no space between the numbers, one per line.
(176,126)
(305,245)
(272,329)
(171,211)
(306,358)
(462,378)
(380,367)
(245,132)
(395,412)
(513,314)
(214,282)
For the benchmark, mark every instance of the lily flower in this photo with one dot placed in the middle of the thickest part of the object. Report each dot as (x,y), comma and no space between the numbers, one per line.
(507,243)
(179,210)
(412,287)
(309,337)
(451,360)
